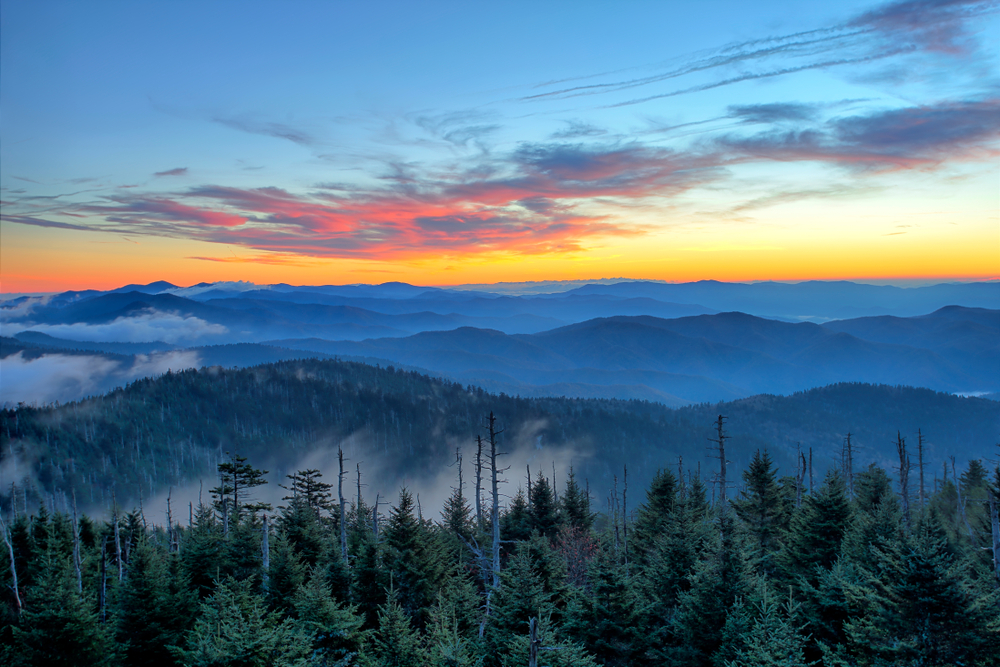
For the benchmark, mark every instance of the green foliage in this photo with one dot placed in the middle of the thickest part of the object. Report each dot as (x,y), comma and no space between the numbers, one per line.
(761,509)
(396,643)
(235,628)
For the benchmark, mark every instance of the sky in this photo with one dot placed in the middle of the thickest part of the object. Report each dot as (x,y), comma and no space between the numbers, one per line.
(442,143)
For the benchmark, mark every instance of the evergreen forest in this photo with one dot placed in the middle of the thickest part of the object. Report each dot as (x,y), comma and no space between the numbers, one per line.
(860,570)
(700,536)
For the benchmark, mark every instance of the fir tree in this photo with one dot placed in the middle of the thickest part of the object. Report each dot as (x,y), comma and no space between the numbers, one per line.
(817,530)
(410,560)
(235,628)
(151,612)
(544,510)
(58,625)
(576,505)
(396,643)
(761,510)
(335,629)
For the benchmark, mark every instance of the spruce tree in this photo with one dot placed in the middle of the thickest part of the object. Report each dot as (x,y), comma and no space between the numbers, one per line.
(396,643)
(817,530)
(58,625)
(760,508)
(235,628)
(576,505)
(151,612)
(924,611)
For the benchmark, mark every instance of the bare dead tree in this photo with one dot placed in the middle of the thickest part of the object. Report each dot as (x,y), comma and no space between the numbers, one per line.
(625,515)
(920,465)
(118,540)
(493,434)
(555,493)
(849,464)
(343,505)
(533,642)
(76,547)
(479,481)
(720,442)
(527,467)
(13,569)
(995,532)
(811,471)
(102,600)
(961,503)
(265,554)
(904,477)
(359,494)
(798,474)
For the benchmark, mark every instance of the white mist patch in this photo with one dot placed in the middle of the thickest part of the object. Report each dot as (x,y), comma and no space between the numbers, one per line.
(150,326)
(226,286)
(64,377)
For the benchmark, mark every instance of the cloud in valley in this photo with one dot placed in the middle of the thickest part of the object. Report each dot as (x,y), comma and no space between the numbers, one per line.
(64,377)
(149,326)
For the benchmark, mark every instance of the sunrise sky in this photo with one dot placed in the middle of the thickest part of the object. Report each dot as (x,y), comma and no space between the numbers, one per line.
(446,143)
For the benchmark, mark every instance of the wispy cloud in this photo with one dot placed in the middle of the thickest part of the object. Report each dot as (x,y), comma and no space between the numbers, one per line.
(268,129)
(908,138)
(179,171)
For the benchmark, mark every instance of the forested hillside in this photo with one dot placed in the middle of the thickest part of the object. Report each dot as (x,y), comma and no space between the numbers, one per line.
(402,427)
(856,572)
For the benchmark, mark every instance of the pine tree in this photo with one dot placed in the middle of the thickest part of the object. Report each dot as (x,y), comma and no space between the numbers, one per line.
(544,510)
(817,529)
(202,552)
(761,509)
(396,643)
(411,560)
(774,639)
(604,615)
(924,612)
(235,628)
(151,612)
(515,523)
(697,628)
(576,505)
(58,625)
(655,514)
(335,629)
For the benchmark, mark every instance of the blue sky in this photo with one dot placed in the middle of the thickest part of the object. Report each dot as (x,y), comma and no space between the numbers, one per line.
(451,142)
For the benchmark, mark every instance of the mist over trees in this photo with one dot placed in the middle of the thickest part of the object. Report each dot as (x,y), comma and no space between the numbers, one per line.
(138,442)
(517,569)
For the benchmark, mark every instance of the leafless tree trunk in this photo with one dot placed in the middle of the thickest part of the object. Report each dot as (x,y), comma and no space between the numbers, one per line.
(721,455)
(625,515)
(13,569)
(798,474)
(533,642)
(493,433)
(265,553)
(555,494)
(920,463)
(76,547)
(103,595)
(479,482)
(118,541)
(811,487)
(343,505)
(995,533)
(961,504)
(904,477)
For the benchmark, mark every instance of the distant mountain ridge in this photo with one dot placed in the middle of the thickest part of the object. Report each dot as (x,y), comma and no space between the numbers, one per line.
(676,343)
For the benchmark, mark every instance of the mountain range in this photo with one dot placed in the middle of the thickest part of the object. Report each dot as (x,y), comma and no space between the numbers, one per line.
(672,343)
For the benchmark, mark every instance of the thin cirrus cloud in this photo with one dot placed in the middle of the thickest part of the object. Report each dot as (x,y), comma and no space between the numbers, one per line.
(549,197)
(179,171)
(899,28)
(911,138)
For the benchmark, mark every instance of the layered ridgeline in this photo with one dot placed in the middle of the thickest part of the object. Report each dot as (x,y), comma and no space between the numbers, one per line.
(674,344)
(401,427)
